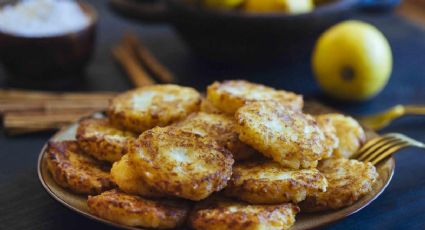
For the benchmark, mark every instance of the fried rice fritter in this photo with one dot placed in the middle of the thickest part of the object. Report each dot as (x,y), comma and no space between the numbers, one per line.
(127,178)
(180,163)
(136,211)
(270,183)
(289,137)
(222,129)
(73,169)
(157,105)
(348,181)
(332,140)
(207,107)
(214,214)
(98,138)
(229,96)
(350,134)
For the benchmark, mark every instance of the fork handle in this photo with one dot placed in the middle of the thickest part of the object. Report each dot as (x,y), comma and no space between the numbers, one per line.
(414,110)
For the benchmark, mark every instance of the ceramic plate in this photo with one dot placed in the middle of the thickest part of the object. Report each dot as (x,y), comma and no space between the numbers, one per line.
(78,204)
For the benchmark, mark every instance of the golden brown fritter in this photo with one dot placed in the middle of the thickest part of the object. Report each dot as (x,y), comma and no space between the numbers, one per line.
(222,129)
(98,138)
(350,134)
(214,214)
(208,107)
(127,178)
(325,124)
(270,183)
(180,163)
(158,105)
(73,169)
(136,211)
(348,180)
(289,137)
(229,96)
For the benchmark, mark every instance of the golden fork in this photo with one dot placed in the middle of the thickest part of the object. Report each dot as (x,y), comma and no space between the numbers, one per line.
(379,148)
(381,120)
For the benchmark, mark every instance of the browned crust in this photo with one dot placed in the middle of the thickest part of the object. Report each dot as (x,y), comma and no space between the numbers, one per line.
(229,215)
(96,137)
(325,123)
(207,107)
(133,210)
(229,102)
(206,166)
(124,174)
(280,133)
(159,113)
(348,181)
(221,128)
(74,170)
(348,131)
(248,183)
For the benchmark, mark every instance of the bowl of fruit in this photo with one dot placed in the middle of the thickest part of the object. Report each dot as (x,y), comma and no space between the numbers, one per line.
(242,30)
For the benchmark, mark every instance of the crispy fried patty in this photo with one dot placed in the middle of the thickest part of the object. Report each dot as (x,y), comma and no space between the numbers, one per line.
(136,211)
(71,168)
(223,214)
(229,96)
(268,182)
(98,138)
(350,134)
(158,105)
(348,181)
(290,138)
(180,163)
(128,179)
(222,129)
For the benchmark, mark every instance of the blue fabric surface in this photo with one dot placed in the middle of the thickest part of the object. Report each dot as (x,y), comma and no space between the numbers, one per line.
(25,205)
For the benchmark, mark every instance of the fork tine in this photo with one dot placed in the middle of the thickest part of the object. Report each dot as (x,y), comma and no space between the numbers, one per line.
(388,152)
(367,146)
(382,149)
(374,144)
(385,141)
(387,145)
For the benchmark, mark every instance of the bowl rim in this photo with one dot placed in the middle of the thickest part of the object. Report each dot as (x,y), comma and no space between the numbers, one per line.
(336,5)
(87,9)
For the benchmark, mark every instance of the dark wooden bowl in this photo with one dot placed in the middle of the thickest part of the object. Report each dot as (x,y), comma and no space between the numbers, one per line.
(51,58)
(236,35)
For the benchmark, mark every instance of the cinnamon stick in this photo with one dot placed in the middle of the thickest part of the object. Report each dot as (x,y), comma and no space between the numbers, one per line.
(32,111)
(97,105)
(20,100)
(54,105)
(126,58)
(14,94)
(20,123)
(16,106)
(148,59)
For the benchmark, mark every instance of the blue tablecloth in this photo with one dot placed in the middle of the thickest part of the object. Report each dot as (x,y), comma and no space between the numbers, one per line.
(25,205)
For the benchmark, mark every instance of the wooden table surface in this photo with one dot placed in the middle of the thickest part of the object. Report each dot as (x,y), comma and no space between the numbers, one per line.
(25,205)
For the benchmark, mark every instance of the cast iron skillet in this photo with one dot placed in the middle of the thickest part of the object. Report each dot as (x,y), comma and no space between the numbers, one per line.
(235,35)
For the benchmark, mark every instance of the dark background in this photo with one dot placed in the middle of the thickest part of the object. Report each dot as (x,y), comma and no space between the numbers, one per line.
(25,205)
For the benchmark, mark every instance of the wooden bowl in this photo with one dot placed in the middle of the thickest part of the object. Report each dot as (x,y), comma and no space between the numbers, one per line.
(48,58)
(238,36)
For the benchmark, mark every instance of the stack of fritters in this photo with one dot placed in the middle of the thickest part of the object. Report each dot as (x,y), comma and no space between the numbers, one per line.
(244,141)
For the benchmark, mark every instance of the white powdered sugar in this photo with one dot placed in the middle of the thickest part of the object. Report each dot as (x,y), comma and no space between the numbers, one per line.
(42,18)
